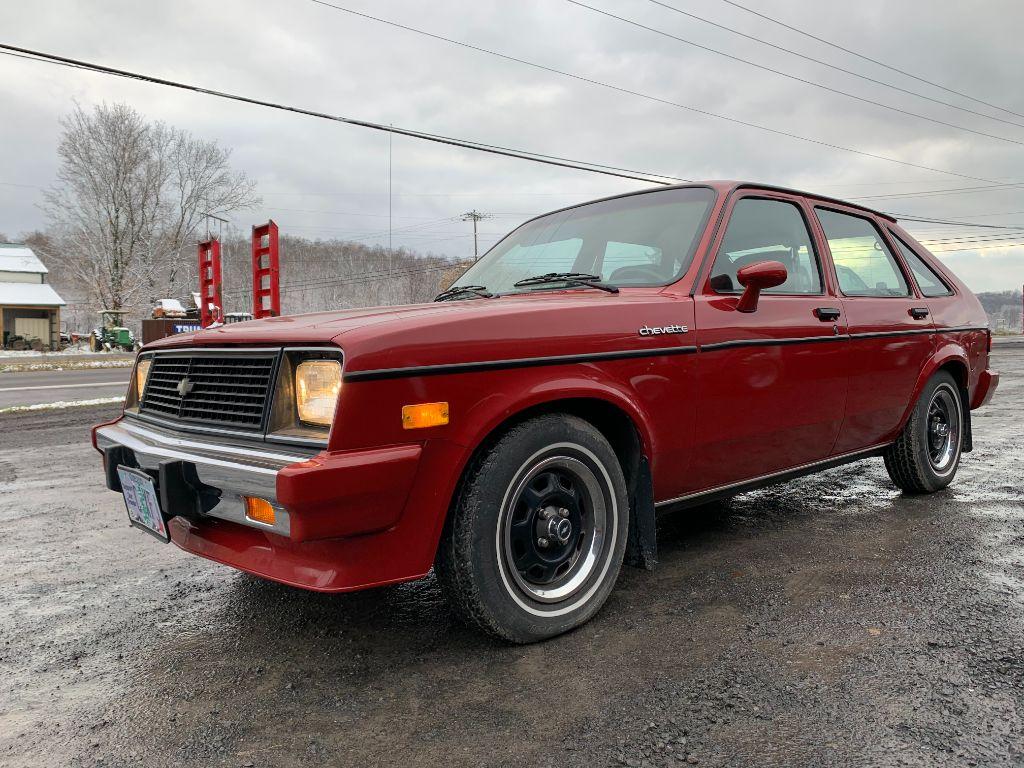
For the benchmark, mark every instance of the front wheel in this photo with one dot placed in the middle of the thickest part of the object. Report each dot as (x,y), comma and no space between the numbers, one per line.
(926,455)
(533,545)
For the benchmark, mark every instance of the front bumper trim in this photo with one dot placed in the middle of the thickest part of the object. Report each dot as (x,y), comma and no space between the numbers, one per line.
(232,470)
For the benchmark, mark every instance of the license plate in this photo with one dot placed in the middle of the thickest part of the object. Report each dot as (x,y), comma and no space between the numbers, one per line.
(142,503)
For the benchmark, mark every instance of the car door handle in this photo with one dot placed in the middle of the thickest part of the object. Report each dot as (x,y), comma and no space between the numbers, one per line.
(827,314)
(919,313)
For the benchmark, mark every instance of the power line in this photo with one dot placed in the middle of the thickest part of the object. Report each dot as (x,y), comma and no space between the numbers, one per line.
(969,240)
(907,217)
(837,68)
(359,277)
(642,95)
(979,248)
(348,213)
(466,144)
(939,192)
(868,58)
(796,78)
(579,165)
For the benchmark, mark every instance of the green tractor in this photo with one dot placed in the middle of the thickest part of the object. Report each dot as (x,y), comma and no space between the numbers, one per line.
(111,334)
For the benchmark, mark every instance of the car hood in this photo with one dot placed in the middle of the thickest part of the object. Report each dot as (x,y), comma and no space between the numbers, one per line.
(548,323)
(318,327)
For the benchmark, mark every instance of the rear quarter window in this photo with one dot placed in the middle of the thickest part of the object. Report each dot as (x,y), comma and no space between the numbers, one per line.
(928,280)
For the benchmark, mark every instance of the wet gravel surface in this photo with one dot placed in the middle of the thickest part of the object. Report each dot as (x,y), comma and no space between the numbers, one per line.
(830,621)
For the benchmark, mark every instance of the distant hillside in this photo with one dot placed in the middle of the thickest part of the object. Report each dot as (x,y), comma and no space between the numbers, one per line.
(1003,309)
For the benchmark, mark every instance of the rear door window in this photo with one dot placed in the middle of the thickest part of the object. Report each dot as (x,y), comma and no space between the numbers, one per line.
(864,264)
(928,281)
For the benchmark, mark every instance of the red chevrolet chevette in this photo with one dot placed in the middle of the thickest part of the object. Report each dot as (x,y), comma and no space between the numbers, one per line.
(600,365)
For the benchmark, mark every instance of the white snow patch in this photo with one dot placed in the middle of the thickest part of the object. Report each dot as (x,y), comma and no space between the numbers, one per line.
(62,404)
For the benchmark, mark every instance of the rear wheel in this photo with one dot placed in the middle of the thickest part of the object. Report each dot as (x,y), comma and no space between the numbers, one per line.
(534,543)
(926,455)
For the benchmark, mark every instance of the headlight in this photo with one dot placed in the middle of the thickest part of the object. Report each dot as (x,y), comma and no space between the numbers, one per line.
(317,383)
(141,375)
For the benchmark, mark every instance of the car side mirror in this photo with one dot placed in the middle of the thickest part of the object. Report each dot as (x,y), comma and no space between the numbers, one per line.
(756,278)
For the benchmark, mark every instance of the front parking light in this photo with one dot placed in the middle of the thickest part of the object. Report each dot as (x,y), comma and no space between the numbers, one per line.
(260,510)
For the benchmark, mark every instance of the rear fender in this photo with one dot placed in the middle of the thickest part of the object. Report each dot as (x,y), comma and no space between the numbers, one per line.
(950,354)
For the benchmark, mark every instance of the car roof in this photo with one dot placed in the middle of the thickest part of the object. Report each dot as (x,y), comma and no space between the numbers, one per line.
(725,188)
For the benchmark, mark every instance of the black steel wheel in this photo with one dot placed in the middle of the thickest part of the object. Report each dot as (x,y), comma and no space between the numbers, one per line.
(535,540)
(944,425)
(926,455)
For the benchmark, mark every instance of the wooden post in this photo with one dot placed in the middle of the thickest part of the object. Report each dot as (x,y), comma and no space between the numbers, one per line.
(1,327)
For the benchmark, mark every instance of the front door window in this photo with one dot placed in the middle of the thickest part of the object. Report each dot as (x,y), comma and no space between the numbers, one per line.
(767,230)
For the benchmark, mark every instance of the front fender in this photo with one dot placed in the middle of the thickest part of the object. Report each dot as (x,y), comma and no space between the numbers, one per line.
(491,412)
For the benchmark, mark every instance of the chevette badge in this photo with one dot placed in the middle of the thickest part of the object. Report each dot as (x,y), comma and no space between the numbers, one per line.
(647,330)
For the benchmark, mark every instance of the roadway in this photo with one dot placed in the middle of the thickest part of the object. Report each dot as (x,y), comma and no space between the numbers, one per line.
(38,387)
(829,621)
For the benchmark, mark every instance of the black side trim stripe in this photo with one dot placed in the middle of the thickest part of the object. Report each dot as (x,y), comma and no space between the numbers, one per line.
(523,362)
(840,337)
(883,334)
(957,328)
(593,357)
(769,342)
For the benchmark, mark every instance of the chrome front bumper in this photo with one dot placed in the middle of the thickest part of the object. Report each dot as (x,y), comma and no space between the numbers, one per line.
(225,470)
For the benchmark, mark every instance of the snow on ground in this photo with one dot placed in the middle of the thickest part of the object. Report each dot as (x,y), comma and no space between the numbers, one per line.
(70,350)
(61,404)
(70,365)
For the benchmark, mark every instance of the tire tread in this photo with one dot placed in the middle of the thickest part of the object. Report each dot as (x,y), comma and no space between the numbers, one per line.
(905,459)
(454,562)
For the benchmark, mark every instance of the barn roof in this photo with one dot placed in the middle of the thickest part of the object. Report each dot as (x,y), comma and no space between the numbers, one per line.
(15,257)
(29,295)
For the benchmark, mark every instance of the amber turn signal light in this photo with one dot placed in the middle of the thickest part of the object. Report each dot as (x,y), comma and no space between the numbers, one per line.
(424,415)
(259,510)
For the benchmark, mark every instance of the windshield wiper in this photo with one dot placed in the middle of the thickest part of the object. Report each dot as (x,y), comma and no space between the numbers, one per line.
(572,278)
(457,290)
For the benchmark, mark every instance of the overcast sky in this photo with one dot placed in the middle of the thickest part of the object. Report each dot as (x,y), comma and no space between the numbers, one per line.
(323,179)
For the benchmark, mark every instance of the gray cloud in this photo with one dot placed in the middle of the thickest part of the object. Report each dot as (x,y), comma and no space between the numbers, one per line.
(301,53)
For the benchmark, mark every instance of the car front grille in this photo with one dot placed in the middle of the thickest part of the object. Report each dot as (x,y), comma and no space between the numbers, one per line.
(230,390)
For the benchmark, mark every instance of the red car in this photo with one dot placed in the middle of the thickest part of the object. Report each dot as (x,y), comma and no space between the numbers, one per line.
(600,365)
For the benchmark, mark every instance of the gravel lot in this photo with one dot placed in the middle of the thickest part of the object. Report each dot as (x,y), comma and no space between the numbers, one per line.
(830,621)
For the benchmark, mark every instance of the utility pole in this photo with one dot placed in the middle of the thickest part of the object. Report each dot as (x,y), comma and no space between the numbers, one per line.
(390,250)
(475,216)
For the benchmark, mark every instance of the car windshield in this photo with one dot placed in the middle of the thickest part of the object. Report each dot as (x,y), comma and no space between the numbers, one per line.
(639,240)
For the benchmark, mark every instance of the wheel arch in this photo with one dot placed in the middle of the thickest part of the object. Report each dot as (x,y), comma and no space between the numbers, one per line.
(622,424)
(953,359)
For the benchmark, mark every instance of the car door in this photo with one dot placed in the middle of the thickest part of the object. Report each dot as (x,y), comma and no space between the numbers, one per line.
(771,383)
(890,327)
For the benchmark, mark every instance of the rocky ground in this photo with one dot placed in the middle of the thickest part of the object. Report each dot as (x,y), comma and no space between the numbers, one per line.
(830,621)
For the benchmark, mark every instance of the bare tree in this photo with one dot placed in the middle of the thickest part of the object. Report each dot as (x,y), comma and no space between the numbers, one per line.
(130,194)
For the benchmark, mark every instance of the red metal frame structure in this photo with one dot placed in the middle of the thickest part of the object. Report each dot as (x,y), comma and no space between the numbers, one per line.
(211,304)
(266,273)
